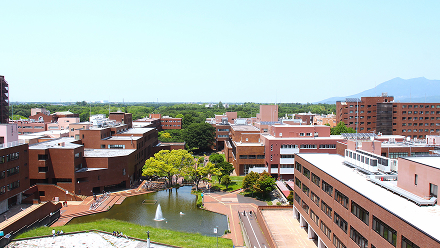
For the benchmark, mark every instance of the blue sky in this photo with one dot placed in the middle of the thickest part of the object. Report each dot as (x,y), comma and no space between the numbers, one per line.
(210,51)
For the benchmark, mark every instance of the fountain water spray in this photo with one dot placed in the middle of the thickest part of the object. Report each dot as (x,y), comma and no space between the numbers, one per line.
(159,216)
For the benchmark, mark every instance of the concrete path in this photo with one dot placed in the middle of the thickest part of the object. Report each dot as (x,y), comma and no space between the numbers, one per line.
(231,204)
(253,230)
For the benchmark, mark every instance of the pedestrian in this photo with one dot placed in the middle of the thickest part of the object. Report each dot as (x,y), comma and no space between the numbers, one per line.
(53,233)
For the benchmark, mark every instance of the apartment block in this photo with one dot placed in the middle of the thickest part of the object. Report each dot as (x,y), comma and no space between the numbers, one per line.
(383,115)
(14,169)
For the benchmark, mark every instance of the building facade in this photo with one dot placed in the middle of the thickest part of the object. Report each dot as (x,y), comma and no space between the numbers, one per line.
(343,208)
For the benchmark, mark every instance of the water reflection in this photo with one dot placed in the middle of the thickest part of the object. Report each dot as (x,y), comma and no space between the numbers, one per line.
(172,203)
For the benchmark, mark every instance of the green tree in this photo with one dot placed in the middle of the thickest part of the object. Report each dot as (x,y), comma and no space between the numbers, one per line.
(225,168)
(200,172)
(187,120)
(265,183)
(199,136)
(167,164)
(341,128)
(179,116)
(216,158)
(249,180)
(226,180)
(290,198)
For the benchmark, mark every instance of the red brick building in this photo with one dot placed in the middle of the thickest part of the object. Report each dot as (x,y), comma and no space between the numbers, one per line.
(14,168)
(344,208)
(383,115)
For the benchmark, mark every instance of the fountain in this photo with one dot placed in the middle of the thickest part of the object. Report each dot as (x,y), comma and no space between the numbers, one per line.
(159,216)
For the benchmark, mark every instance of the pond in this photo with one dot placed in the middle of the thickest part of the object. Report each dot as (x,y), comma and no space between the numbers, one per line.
(141,210)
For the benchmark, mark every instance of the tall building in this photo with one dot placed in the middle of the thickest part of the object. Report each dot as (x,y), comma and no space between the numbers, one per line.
(4,100)
(383,115)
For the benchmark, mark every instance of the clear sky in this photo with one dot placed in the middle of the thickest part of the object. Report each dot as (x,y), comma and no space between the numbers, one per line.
(210,51)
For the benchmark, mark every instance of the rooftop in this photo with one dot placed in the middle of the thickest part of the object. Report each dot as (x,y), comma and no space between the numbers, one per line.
(125,138)
(432,161)
(244,128)
(138,130)
(61,143)
(424,218)
(106,153)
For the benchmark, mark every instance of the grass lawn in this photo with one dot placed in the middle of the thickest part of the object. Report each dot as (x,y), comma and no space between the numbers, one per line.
(237,183)
(164,236)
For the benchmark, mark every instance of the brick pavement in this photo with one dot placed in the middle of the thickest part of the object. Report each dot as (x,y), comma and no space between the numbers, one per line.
(228,204)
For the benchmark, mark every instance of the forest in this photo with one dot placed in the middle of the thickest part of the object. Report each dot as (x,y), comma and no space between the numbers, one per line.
(140,110)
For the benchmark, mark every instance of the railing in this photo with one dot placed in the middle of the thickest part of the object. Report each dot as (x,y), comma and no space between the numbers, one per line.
(12,144)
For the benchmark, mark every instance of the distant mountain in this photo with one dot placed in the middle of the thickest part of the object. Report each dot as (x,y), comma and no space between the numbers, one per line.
(404,90)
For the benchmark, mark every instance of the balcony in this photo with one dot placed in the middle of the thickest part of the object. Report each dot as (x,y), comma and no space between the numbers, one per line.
(287,161)
(289,151)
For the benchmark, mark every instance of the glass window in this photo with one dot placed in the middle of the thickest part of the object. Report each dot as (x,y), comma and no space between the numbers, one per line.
(340,222)
(326,209)
(337,243)
(385,231)
(327,188)
(433,190)
(341,198)
(360,212)
(358,238)
(406,243)
(325,230)
(306,172)
(314,217)
(314,198)
(315,179)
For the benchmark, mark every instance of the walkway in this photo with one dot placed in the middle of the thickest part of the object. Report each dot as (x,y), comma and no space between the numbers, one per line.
(290,233)
(230,204)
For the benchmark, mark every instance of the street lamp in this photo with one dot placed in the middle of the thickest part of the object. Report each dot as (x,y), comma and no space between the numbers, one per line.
(148,239)
(215,231)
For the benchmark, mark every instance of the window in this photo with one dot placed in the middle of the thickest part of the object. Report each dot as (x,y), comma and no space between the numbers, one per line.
(297,198)
(385,231)
(415,179)
(243,156)
(288,156)
(314,217)
(43,157)
(326,230)
(13,185)
(252,156)
(260,156)
(360,212)
(308,146)
(224,136)
(43,169)
(305,189)
(271,147)
(327,188)
(298,166)
(433,190)
(326,209)
(13,171)
(340,222)
(298,182)
(301,134)
(314,198)
(341,198)
(337,243)
(306,172)
(358,238)
(116,146)
(406,243)
(315,179)
(2,174)
(223,130)
(330,146)
(305,207)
